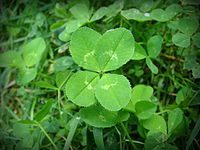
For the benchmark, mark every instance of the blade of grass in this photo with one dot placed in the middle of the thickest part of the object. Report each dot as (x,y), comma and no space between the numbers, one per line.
(72,131)
(46,134)
(194,133)
(98,138)
(128,136)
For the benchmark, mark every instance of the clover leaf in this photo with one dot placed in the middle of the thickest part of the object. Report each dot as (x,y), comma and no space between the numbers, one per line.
(81,87)
(110,94)
(100,53)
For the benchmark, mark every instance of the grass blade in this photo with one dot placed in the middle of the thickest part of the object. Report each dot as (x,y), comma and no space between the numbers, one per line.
(72,131)
(98,137)
(194,133)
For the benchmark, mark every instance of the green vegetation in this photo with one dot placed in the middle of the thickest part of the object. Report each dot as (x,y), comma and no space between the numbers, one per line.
(106,75)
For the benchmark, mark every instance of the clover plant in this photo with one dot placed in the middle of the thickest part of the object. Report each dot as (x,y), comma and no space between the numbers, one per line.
(100,54)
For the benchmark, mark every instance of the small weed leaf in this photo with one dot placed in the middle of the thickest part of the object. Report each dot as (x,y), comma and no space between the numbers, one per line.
(99,14)
(139,53)
(44,111)
(139,93)
(154,45)
(80,88)
(33,51)
(155,123)
(62,77)
(151,66)
(102,53)
(11,59)
(158,141)
(175,117)
(113,91)
(135,14)
(63,63)
(196,39)
(188,25)
(26,75)
(99,117)
(181,40)
(80,11)
(145,109)
(165,15)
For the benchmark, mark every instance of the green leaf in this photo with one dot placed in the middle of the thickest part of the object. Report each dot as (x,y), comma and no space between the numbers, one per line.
(145,109)
(44,84)
(196,39)
(189,62)
(196,71)
(72,130)
(33,51)
(70,27)
(63,63)
(151,66)
(194,133)
(114,49)
(139,53)
(175,117)
(44,111)
(82,48)
(167,14)
(99,14)
(123,116)
(135,14)
(62,77)
(154,45)
(31,122)
(159,15)
(98,138)
(113,91)
(181,40)
(172,10)
(182,94)
(188,25)
(145,5)
(140,92)
(158,141)
(20,130)
(155,123)
(11,59)
(80,11)
(99,117)
(26,75)
(193,2)
(80,88)
(73,25)
(64,36)
(114,9)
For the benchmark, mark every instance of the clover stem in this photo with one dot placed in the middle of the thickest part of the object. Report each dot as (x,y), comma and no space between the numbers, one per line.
(128,136)
(43,130)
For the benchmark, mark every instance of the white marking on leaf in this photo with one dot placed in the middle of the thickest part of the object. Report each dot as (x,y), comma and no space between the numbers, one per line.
(107,86)
(109,53)
(113,56)
(88,55)
(89,86)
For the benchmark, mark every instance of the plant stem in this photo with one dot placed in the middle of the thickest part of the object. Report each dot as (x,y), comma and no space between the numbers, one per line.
(59,100)
(127,134)
(43,130)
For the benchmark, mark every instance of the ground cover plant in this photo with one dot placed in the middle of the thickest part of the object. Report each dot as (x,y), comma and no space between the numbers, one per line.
(106,75)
